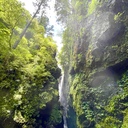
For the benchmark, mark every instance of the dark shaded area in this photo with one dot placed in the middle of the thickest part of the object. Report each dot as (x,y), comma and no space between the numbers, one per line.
(116,69)
(71,120)
(9,123)
(109,76)
(120,6)
(120,68)
(44,116)
(56,73)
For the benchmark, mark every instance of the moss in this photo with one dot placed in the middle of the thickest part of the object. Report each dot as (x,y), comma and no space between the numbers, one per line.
(93,108)
(89,57)
(117,16)
(76,91)
(125,120)
(109,122)
(92,6)
(97,104)
(56,116)
(113,54)
(116,114)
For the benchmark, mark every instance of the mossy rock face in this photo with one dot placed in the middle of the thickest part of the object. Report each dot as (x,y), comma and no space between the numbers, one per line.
(102,104)
(98,98)
(104,39)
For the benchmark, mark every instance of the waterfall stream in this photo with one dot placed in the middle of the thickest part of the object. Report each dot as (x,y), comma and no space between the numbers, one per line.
(63,98)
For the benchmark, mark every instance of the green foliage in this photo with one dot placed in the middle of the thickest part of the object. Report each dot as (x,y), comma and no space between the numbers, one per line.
(62,8)
(92,6)
(55,117)
(109,122)
(117,107)
(125,120)
(101,106)
(117,16)
(77,89)
(29,73)
(88,112)
(105,104)
(65,53)
(12,15)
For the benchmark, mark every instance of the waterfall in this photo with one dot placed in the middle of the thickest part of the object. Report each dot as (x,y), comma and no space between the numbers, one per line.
(63,98)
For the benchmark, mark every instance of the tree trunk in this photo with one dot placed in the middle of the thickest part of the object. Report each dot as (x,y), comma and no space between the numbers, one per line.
(26,27)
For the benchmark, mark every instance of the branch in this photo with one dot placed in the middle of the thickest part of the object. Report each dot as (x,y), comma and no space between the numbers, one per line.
(27,26)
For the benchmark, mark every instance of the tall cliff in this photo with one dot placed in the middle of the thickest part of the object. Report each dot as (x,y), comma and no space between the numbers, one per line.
(95,52)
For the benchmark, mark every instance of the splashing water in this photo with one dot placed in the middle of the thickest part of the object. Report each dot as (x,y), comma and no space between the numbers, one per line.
(61,90)
(63,99)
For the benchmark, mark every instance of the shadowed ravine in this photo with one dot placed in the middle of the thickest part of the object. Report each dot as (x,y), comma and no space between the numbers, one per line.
(85,85)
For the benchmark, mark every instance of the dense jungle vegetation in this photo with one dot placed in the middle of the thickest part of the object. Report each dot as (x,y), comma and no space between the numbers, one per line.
(94,60)
(28,72)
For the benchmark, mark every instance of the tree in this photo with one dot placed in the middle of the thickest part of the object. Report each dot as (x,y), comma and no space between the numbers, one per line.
(29,73)
(39,4)
(63,10)
(12,15)
(44,20)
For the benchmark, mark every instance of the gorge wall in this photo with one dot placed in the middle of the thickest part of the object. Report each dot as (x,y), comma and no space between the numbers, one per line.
(97,61)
